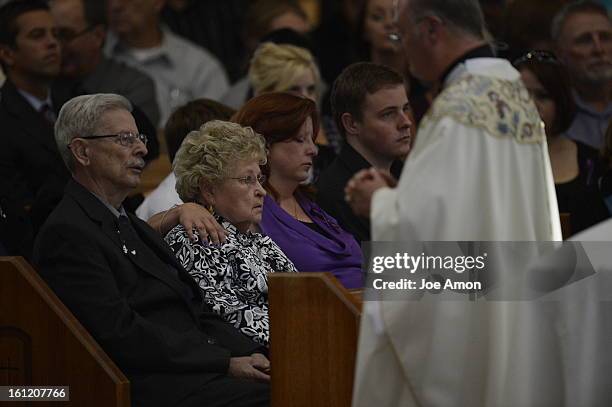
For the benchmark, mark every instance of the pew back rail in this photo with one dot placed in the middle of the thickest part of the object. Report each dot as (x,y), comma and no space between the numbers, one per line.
(43,344)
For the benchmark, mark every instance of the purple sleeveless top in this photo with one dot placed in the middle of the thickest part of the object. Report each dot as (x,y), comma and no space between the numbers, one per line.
(336,252)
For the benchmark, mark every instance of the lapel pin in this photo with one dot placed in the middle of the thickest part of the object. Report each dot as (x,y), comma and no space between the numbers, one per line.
(133,252)
(125,250)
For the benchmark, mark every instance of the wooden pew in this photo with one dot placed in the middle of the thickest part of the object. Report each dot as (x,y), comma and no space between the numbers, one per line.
(42,343)
(314,324)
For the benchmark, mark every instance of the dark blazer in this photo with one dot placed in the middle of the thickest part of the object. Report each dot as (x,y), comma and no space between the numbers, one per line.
(330,190)
(32,172)
(16,233)
(150,320)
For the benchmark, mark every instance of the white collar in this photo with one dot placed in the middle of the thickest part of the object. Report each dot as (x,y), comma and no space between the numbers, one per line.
(492,67)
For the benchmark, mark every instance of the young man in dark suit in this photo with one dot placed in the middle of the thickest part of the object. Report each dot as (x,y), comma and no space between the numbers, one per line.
(124,284)
(371,109)
(31,170)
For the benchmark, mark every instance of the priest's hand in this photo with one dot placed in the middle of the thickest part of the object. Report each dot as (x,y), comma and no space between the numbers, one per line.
(360,189)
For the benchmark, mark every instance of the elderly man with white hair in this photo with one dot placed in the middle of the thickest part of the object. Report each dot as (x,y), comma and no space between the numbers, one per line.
(123,282)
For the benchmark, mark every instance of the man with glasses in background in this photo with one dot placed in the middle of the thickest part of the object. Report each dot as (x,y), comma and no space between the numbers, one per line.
(82,30)
(124,284)
(479,171)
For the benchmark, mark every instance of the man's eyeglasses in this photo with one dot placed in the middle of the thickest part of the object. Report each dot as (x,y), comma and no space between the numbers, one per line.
(537,56)
(125,139)
(66,35)
(250,180)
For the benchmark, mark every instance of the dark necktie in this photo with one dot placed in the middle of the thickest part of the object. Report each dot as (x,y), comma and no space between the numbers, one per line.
(48,113)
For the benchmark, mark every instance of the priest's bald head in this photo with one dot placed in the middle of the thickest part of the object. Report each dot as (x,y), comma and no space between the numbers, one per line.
(434,33)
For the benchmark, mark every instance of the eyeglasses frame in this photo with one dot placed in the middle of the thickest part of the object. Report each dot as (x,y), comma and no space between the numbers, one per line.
(261,178)
(139,136)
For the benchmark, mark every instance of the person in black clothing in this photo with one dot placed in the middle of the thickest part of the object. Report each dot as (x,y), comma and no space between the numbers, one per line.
(124,284)
(336,36)
(206,22)
(575,166)
(371,109)
(16,234)
(31,172)
(605,180)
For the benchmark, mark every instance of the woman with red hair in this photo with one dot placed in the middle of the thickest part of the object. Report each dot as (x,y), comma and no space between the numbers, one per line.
(310,237)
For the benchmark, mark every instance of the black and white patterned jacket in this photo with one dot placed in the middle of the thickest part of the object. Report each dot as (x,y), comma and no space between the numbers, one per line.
(233,276)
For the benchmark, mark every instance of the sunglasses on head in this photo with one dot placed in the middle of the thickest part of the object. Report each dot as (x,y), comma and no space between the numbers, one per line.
(537,56)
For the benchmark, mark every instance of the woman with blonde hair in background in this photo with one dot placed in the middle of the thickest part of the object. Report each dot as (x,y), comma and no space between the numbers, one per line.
(287,68)
(284,68)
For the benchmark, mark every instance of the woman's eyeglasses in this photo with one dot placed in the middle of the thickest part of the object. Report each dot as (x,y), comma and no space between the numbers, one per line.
(250,180)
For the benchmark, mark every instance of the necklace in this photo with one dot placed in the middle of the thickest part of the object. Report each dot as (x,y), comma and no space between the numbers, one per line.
(295,210)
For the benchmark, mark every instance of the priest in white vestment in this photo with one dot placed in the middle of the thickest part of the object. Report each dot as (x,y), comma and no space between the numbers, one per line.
(479,171)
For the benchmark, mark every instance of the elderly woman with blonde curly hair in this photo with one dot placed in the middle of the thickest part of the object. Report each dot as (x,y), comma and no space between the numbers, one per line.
(218,167)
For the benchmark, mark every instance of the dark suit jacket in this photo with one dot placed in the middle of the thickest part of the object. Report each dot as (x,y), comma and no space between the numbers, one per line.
(16,233)
(150,321)
(330,190)
(32,172)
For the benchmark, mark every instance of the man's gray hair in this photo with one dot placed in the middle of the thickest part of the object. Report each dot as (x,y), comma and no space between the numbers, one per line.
(582,6)
(81,116)
(465,15)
